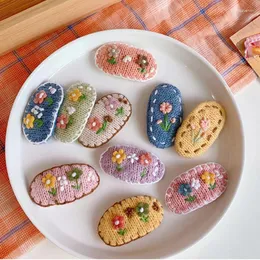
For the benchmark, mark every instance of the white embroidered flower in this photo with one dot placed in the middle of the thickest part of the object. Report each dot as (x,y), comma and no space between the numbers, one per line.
(152,70)
(52,90)
(127,58)
(132,157)
(195,183)
(91,177)
(62,182)
(36,109)
(71,110)
(40,115)
(218,175)
(146,75)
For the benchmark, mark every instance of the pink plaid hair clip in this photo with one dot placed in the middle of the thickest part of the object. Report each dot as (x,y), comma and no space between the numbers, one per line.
(252,46)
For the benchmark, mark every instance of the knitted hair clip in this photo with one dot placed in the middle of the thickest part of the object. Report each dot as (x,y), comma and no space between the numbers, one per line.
(125,61)
(200,129)
(63,184)
(41,112)
(108,117)
(252,46)
(129,220)
(131,164)
(164,115)
(74,113)
(196,188)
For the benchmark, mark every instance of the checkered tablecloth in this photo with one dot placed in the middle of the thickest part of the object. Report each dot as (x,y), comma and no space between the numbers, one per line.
(204,25)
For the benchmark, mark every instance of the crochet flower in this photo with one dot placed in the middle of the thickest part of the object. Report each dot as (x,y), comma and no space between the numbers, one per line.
(62,121)
(118,156)
(62,182)
(94,124)
(74,95)
(39,97)
(204,124)
(142,61)
(132,158)
(74,175)
(142,208)
(71,110)
(118,222)
(145,159)
(108,118)
(129,212)
(165,108)
(28,121)
(155,206)
(49,181)
(184,189)
(208,178)
(195,183)
(111,104)
(113,51)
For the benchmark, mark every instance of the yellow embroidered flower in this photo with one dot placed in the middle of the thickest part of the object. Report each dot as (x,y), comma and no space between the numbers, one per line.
(75,95)
(118,156)
(208,178)
(28,121)
(49,181)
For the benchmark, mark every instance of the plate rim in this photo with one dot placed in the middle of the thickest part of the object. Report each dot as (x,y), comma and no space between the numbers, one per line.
(134,31)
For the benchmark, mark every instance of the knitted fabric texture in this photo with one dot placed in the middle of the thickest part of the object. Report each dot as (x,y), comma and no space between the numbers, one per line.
(131,164)
(252,46)
(63,184)
(133,224)
(123,60)
(196,188)
(107,118)
(164,115)
(41,112)
(74,112)
(200,129)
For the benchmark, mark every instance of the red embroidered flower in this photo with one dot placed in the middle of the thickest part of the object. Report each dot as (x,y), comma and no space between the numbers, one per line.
(94,124)
(39,97)
(118,222)
(62,121)
(145,159)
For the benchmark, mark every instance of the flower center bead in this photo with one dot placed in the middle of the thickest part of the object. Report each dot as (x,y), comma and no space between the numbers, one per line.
(146,161)
(112,106)
(73,174)
(74,95)
(62,122)
(118,156)
(41,95)
(48,182)
(141,210)
(27,121)
(94,124)
(117,222)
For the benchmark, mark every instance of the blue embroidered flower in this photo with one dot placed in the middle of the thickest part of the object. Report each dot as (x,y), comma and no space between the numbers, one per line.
(185,189)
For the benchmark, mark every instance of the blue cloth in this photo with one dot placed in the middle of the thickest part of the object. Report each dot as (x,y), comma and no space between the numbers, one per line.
(162,126)
(45,114)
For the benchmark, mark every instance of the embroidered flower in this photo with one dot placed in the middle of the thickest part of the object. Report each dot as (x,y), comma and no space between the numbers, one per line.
(204,124)
(208,178)
(39,97)
(111,104)
(155,206)
(145,159)
(195,183)
(142,208)
(91,177)
(49,181)
(62,182)
(159,122)
(127,58)
(52,90)
(129,212)
(74,175)
(132,158)
(62,121)
(28,121)
(94,124)
(165,108)
(118,156)
(193,127)
(185,189)
(108,118)
(173,120)
(74,95)
(113,51)
(142,61)
(71,110)
(118,222)
(218,175)
(37,111)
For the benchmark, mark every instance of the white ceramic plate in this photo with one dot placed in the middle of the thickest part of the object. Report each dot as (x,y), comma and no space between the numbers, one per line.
(73,227)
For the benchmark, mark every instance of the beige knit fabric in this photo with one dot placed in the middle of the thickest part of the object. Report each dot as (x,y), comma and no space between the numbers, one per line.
(200,129)
(135,228)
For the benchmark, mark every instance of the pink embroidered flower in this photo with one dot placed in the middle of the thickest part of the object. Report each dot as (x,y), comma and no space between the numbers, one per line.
(62,121)
(173,120)
(111,104)
(118,222)
(159,121)
(166,108)
(193,127)
(39,97)
(94,124)
(145,159)
(204,124)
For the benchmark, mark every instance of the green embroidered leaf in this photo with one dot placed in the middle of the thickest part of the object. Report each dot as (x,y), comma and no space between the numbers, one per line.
(144,218)
(143,173)
(212,187)
(38,122)
(53,191)
(119,167)
(142,70)
(120,111)
(49,100)
(190,198)
(121,232)
(70,121)
(112,60)
(82,97)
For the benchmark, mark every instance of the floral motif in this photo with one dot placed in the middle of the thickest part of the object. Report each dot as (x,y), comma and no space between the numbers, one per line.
(39,97)
(118,223)
(195,183)
(94,124)
(49,183)
(37,111)
(75,95)
(118,157)
(62,121)
(165,108)
(204,126)
(108,118)
(143,63)
(71,110)
(209,179)
(111,104)
(165,123)
(52,90)
(28,121)
(155,206)
(62,182)
(129,212)
(113,53)
(133,157)
(127,58)
(142,210)
(185,190)
(74,175)
(91,177)
(145,159)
